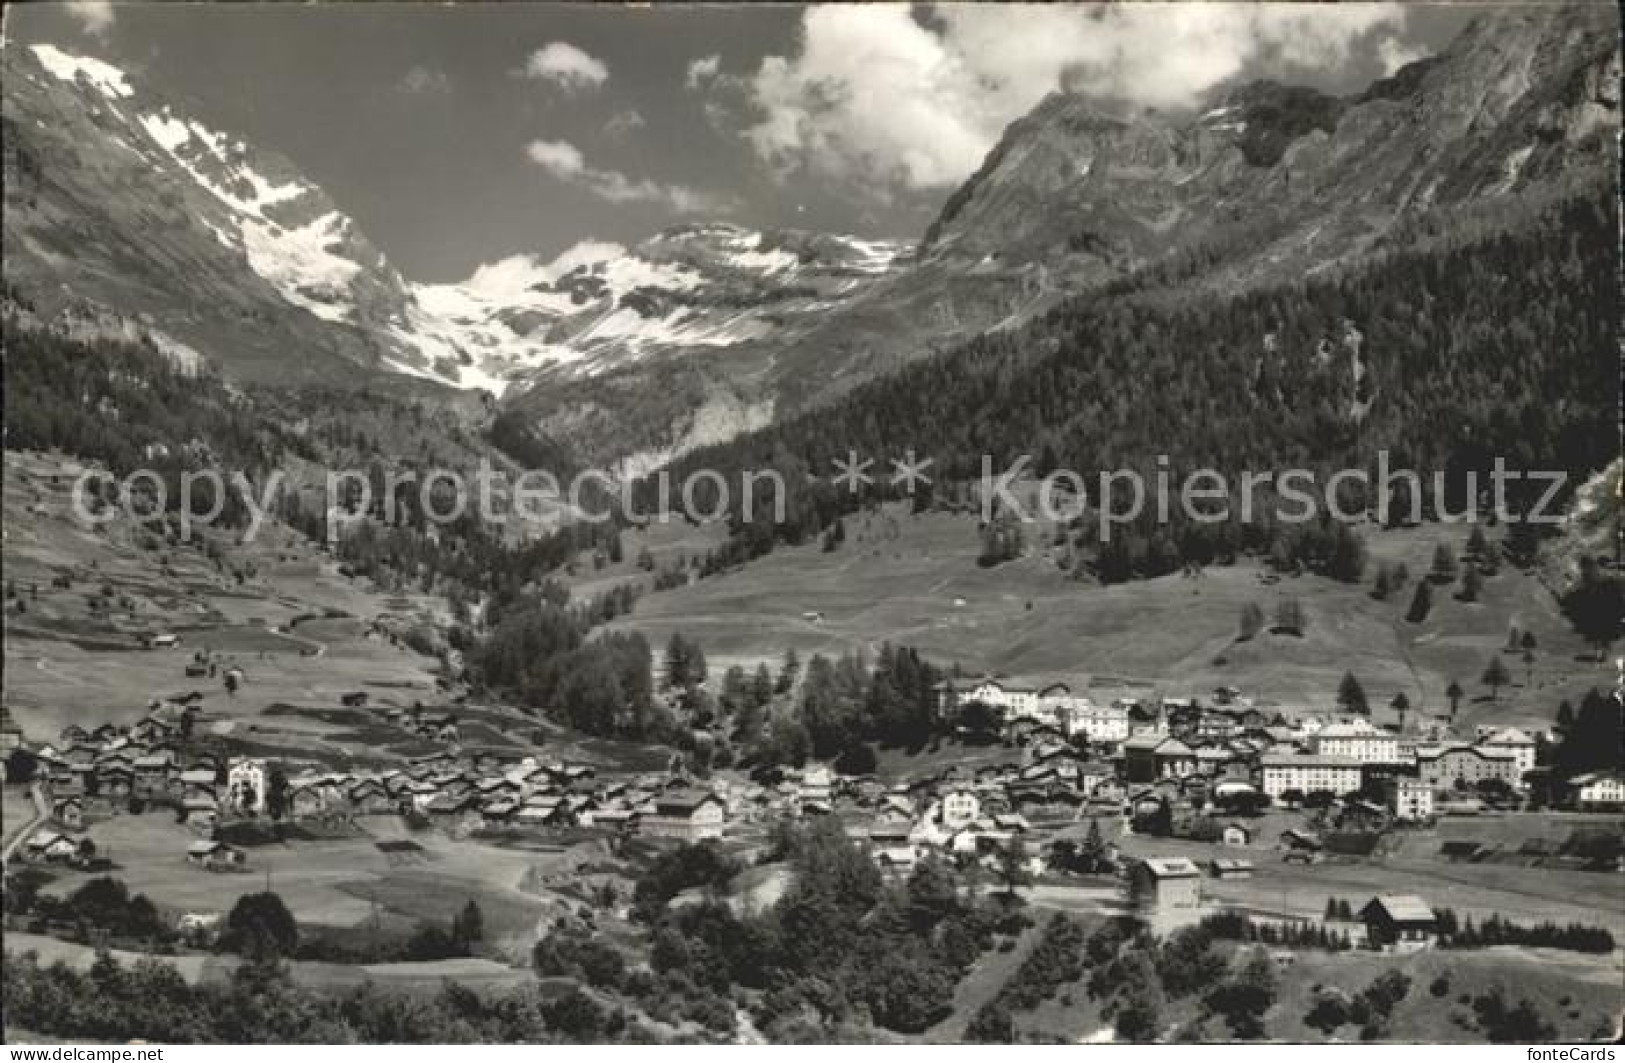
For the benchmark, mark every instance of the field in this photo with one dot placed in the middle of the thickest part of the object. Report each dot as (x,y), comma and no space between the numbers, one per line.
(342,882)
(413,977)
(914,580)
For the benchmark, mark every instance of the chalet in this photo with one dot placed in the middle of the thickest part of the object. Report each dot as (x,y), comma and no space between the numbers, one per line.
(1230,869)
(152,770)
(1602,791)
(549,812)
(200,810)
(162,641)
(354,700)
(1299,841)
(115,780)
(1210,760)
(1236,835)
(307,801)
(686,814)
(215,855)
(1399,923)
(369,798)
(620,818)
(51,847)
(498,811)
(70,812)
(450,811)
(1165,887)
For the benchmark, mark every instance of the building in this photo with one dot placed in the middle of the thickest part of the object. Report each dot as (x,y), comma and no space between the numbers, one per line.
(1105,725)
(245,785)
(1149,757)
(51,846)
(1399,923)
(215,855)
(1462,767)
(684,813)
(1013,698)
(1409,799)
(1599,791)
(1513,742)
(1307,773)
(1357,740)
(1230,869)
(1166,891)
(1236,835)
(959,808)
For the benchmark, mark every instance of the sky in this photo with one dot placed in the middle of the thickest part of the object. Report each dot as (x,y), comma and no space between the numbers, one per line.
(460,134)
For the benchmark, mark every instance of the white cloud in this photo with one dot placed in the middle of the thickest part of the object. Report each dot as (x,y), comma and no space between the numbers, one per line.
(565,162)
(702,70)
(566,66)
(1395,53)
(877,95)
(95,16)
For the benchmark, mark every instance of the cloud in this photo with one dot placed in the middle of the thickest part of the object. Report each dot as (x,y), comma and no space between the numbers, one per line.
(94,16)
(565,162)
(1394,53)
(877,95)
(624,123)
(424,81)
(566,66)
(702,70)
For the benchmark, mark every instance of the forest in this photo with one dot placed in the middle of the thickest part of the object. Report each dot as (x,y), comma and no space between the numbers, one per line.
(1496,344)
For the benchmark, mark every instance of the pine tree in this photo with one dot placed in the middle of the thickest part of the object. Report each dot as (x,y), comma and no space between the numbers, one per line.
(1252,620)
(1495,676)
(1421,603)
(1351,696)
(1454,693)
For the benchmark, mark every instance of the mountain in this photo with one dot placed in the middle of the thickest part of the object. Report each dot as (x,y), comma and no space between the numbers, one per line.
(1272,180)
(628,357)
(1264,184)
(121,201)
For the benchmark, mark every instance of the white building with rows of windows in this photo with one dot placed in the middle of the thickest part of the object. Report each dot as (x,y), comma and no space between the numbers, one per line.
(1307,773)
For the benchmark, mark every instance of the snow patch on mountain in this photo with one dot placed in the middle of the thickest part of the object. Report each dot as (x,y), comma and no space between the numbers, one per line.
(107,78)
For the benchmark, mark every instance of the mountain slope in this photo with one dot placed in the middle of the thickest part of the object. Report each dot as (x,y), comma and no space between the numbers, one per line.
(1518,100)
(629,357)
(124,201)
(1267,185)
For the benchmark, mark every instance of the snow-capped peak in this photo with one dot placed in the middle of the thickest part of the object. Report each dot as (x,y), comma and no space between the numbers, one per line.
(106,77)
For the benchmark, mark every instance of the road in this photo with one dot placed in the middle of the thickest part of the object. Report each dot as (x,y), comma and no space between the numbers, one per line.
(41,814)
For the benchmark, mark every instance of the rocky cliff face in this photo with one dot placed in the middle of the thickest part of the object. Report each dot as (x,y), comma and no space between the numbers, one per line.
(1275,180)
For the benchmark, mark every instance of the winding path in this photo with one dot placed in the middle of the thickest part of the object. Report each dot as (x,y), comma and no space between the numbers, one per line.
(28,829)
